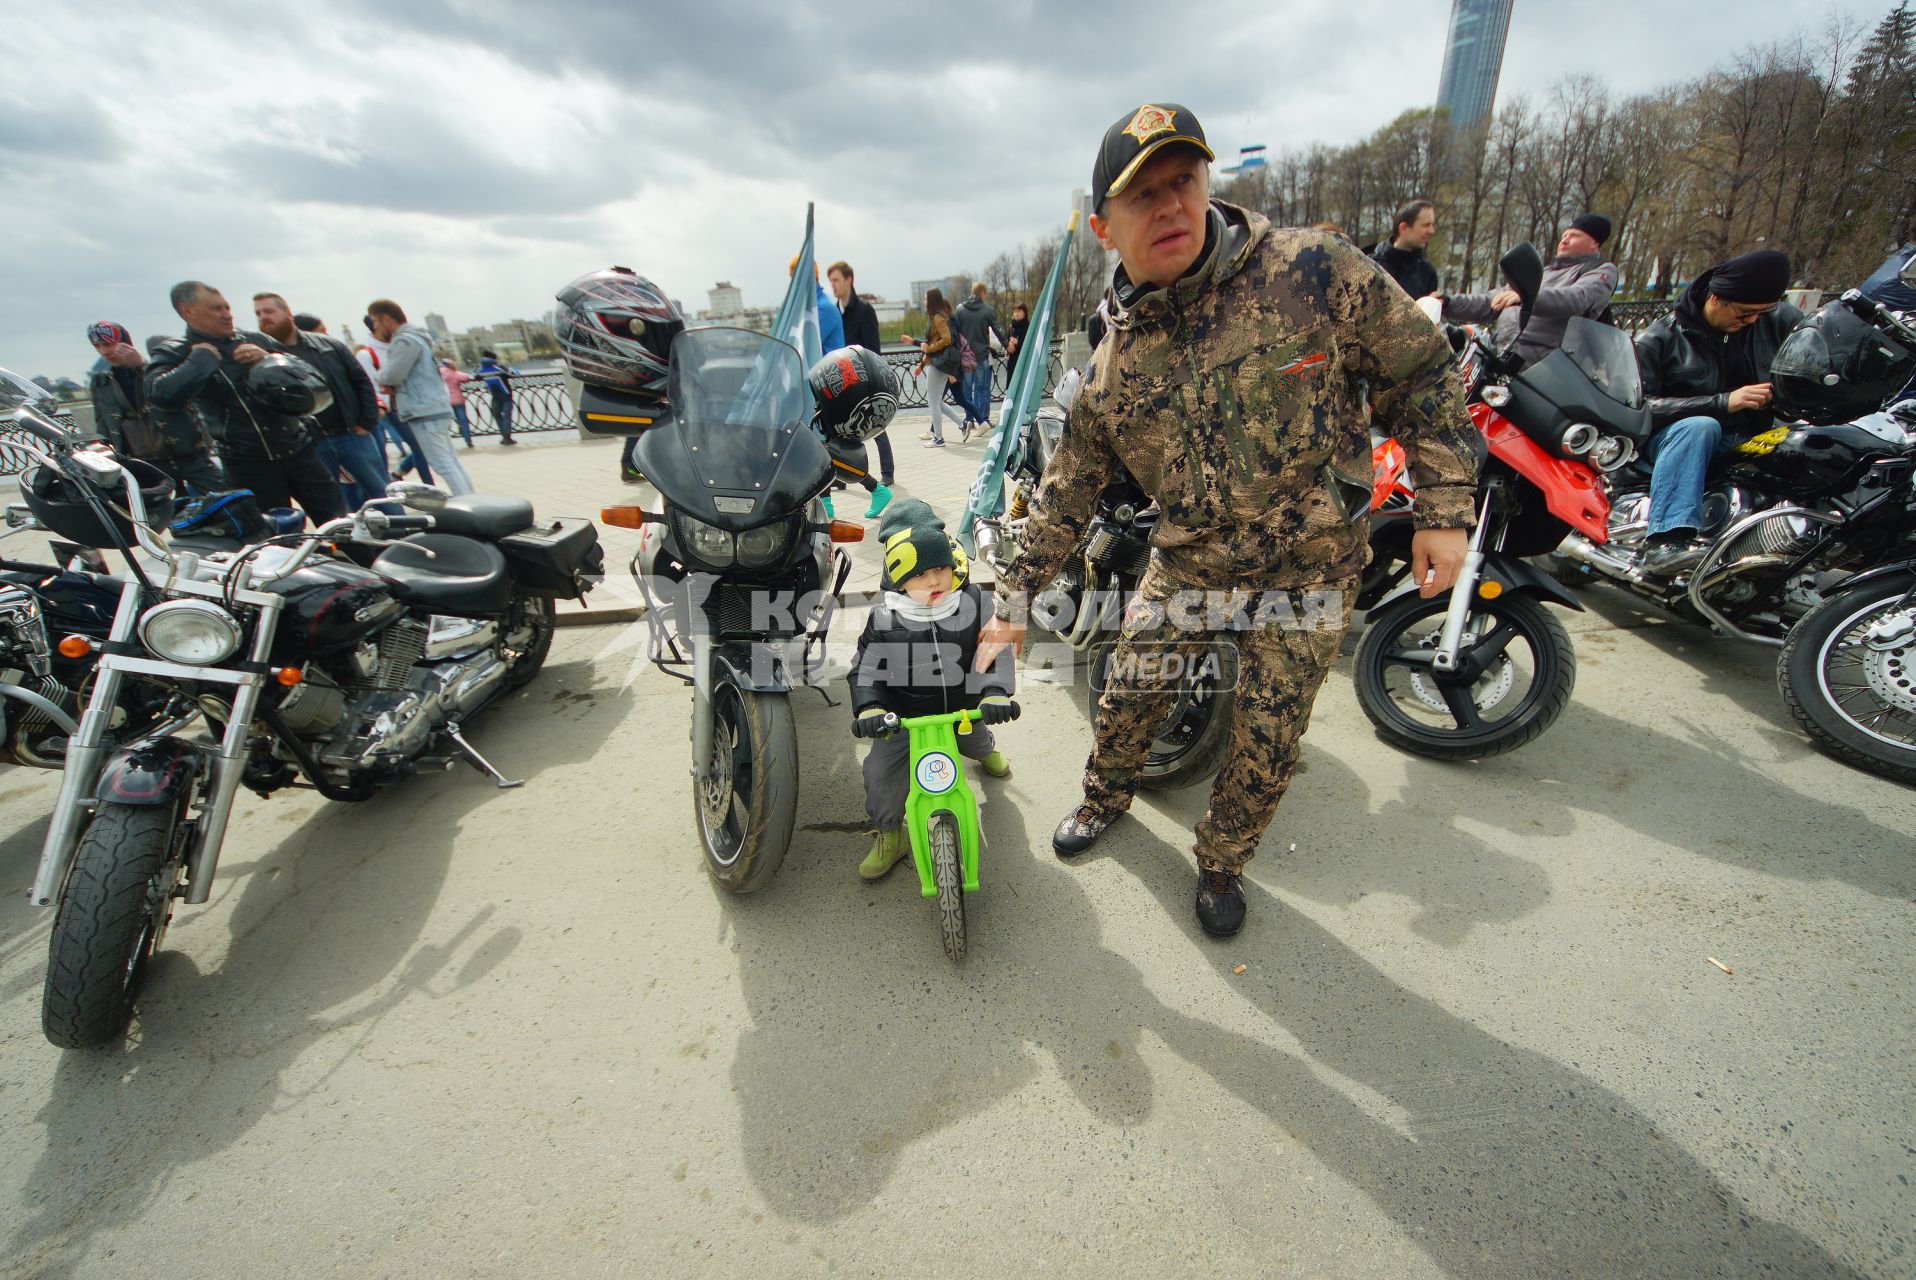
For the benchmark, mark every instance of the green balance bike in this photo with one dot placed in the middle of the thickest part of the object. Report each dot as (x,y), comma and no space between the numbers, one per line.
(941,814)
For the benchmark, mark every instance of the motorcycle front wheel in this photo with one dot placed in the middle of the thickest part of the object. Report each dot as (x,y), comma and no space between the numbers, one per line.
(1848,676)
(1514,680)
(113,910)
(747,800)
(1189,746)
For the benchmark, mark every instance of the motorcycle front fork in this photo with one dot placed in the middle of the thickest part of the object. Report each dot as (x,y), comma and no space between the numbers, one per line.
(1464,591)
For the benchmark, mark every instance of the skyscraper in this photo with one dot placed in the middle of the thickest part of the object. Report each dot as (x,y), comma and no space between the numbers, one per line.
(1472,59)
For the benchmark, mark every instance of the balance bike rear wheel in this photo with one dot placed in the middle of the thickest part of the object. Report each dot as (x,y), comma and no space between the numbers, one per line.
(948,873)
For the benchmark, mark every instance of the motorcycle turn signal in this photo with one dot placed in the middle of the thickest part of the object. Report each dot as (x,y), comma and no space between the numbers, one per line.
(628,517)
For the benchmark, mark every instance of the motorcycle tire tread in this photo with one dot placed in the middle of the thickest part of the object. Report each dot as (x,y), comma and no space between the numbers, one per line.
(533,660)
(1831,737)
(775,808)
(101,917)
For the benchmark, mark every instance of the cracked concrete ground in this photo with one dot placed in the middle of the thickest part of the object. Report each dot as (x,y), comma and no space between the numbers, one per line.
(464,1032)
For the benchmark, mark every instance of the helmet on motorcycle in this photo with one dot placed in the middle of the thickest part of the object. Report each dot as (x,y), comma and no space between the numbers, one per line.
(282,384)
(615,329)
(56,501)
(1835,367)
(855,394)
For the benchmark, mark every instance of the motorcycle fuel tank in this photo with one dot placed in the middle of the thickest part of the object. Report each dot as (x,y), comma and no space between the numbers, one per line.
(1806,462)
(332,606)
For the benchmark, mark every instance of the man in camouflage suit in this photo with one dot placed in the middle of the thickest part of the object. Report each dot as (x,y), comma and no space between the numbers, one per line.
(1230,388)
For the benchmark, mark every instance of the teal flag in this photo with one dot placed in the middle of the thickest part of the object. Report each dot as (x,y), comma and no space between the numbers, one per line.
(797,319)
(1021,401)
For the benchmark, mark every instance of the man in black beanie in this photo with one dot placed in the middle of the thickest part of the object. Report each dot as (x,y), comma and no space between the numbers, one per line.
(1578,282)
(1705,370)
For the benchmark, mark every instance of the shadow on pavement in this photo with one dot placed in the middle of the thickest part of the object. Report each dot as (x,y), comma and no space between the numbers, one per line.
(329,937)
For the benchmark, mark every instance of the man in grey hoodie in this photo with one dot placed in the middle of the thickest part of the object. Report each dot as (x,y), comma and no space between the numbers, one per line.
(978,325)
(419,398)
(1578,282)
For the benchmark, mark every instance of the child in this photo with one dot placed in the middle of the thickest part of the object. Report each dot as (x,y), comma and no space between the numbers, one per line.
(914,659)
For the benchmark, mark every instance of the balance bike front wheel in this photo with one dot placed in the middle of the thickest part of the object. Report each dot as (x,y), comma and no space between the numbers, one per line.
(948,874)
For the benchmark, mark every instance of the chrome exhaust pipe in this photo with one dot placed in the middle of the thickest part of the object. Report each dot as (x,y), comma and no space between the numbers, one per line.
(1579,548)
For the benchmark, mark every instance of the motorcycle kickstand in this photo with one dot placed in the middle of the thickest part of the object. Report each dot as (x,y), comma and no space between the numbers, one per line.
(478,761)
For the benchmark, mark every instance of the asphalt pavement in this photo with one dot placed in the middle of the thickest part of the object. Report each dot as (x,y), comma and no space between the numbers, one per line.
(468,1032)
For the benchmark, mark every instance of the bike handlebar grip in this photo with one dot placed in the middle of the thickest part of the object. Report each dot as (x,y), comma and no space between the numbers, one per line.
(412,524)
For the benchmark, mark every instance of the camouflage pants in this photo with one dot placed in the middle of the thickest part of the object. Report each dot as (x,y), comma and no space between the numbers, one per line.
(1280,666)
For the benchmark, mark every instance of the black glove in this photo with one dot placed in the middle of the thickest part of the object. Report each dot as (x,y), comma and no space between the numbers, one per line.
(997,709)
(874,722)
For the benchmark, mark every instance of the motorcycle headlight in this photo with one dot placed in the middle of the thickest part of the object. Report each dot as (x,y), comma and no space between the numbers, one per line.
(765,544)
(194,632)
(706,543)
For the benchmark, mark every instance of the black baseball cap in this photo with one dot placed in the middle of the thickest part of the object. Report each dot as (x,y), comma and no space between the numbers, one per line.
(1135,138)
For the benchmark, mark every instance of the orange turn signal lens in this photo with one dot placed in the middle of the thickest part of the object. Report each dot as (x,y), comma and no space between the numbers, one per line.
(1490,590)
(847,531)
(75,647)
(625,517)
(288,676)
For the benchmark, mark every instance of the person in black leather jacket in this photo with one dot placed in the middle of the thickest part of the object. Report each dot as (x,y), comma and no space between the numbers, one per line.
(915,658)
(1705,370)
(135,427)
(201,375)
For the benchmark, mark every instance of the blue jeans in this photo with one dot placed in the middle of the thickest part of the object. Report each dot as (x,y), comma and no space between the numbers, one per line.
(401,434)
(465,423)
(359,458)
(502,414)
(975,392)
(1682,453)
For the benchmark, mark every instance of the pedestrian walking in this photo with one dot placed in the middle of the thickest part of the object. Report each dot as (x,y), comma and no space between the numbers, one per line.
(346,442)
(456,379)
(497,378)
(977,324)
(938,362)
(137,428)
(204,375)
(392,431)
(1015,341)
(419,394)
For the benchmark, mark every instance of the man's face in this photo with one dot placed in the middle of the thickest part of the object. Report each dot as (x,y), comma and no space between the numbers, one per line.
(1417,234)
(1156,223)
(382,327)
(121,355)
(273,317)
(210,313)
(841,286)
(1733,317)
(1575,243)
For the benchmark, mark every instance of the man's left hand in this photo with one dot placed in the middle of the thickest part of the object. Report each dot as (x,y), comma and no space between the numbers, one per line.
(1436,558)
(248,353)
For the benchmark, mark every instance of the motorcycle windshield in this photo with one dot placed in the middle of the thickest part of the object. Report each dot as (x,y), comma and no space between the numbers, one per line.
(739,450)
(1606,356)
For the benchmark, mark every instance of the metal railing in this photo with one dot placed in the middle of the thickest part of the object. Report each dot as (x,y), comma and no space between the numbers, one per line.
(540,402)
(1635,317)
(911,387)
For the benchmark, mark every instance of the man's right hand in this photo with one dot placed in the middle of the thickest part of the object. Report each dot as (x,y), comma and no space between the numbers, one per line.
(1754,396)
(206,346)
(994,638)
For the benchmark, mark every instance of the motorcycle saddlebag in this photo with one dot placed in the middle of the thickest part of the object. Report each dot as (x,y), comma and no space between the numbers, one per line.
(549,558)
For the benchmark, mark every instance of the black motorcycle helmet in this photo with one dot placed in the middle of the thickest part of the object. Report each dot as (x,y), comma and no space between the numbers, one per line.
(56,502)
(283,385)
(1835,367)
(854,392)
(615,329)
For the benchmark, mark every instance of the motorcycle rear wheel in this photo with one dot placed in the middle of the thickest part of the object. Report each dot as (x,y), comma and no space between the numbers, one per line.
(113,910)
(1835,686)
(947,872)
(530,626)
(748,801)
(1190,744)
(1397,692)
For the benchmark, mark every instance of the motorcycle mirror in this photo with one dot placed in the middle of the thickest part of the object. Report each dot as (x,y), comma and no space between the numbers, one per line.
(18,392)
(420,497)
(1523,271)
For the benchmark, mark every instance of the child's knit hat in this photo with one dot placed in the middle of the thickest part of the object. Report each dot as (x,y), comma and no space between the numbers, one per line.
(915,540)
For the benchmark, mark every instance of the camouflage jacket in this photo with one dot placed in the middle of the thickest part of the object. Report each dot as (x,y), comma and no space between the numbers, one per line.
(1235,399)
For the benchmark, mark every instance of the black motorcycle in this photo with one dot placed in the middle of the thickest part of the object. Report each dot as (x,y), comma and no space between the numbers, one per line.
(740,569)
(307,670)
(1084,606)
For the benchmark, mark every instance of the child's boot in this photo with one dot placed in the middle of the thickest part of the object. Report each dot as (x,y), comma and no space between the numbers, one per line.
(996,764)
(887,848)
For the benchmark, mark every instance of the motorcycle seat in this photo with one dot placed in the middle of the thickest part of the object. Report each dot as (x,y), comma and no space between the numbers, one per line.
(443,573)
(476,515)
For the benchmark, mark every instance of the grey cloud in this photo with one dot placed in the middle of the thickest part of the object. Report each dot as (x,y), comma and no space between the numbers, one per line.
(57,129)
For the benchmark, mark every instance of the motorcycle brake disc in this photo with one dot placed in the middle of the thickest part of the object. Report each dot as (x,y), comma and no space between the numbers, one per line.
(1892,674)
(1491,687)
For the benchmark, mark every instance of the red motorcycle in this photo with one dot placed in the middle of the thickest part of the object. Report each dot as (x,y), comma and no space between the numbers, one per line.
(1489,668)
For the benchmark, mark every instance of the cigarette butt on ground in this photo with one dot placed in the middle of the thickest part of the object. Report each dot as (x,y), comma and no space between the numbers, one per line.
(1241,968)
(1719,964)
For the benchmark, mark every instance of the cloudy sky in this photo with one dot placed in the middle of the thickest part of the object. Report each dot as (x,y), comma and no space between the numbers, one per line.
(471,156)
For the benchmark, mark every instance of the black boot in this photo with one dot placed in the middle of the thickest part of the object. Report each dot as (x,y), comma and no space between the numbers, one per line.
(1220,902)
(1667,554)
(1080,830)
